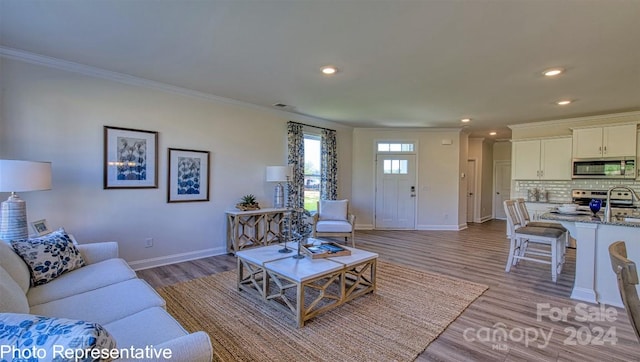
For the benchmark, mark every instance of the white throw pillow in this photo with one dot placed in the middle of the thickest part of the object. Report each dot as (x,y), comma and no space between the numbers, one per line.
(12,297)
(333,209)
(49,256)
(27,332)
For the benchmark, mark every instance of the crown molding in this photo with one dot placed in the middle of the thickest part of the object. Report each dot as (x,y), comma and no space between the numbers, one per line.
(625,116)
(73,67)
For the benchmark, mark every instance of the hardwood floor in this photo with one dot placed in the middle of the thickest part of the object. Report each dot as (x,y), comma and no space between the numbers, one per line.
(510,304)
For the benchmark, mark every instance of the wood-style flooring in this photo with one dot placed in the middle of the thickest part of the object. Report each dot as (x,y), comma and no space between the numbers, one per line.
(509,307)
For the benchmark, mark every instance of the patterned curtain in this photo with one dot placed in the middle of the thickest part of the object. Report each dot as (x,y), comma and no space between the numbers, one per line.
(329,166)
(295,187)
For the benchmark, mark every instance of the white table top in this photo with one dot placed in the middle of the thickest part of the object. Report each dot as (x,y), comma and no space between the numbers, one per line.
(303,269)
(268,253)
(267,210)
(357,256)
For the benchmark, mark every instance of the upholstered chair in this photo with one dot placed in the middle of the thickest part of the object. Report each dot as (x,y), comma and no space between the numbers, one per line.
(334,220)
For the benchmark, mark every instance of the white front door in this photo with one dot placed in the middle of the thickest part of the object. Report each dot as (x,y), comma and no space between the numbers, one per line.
(501,187)
(395,192)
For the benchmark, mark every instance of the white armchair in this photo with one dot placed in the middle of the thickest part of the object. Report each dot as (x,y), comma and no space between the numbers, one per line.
(334,220)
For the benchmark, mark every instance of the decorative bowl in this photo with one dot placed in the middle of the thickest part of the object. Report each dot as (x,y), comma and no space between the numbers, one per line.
(568,208)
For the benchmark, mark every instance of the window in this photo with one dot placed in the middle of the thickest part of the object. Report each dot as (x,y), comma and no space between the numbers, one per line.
(312,164)
(398,167)
(395,147)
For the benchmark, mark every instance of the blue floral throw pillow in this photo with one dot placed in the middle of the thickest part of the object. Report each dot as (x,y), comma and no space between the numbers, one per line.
(28,337)
(49,256)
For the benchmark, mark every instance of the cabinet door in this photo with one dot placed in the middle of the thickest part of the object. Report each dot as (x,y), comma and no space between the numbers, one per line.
(619,140)
(525,160)
(555,159)
(587,142)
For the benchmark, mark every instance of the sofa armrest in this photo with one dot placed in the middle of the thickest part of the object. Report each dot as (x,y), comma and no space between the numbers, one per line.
(352,219)
(194,347)
(96,252)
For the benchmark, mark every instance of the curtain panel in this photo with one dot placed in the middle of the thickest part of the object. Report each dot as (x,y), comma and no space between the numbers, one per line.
(329,166)
(295,188)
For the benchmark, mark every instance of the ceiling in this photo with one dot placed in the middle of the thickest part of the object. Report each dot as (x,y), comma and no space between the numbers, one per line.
(401,63)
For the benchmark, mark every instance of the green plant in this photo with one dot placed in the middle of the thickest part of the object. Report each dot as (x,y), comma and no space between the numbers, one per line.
(249,199)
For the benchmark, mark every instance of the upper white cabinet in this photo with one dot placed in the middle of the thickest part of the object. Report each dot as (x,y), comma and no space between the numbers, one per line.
(610,141)
(546,159)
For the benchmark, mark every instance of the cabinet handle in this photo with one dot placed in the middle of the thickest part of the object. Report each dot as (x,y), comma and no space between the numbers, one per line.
(605,150)
(600,149)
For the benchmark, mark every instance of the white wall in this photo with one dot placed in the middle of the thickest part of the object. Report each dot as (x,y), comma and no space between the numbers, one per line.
(54,115)
(438,175)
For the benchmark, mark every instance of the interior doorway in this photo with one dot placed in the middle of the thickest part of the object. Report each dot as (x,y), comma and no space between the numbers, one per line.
(501,187)
(471,190)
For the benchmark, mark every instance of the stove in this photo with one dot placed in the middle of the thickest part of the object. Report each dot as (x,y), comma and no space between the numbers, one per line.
(621,200)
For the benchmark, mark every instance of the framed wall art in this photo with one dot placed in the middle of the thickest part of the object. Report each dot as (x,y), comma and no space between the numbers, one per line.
(188,175)
(40,227)
(130,158)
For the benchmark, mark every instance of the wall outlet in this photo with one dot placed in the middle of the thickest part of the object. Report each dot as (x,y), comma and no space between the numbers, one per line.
(148,242)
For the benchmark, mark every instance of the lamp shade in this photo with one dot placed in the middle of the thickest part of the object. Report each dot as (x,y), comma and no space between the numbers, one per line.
(277,173)
(20,176)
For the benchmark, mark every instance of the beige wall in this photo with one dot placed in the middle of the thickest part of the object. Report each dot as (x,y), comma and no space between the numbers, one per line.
(502,151)
(54,115)
(438,175)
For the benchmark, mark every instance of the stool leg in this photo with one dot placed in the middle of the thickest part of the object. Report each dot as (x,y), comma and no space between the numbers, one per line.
(554,260)
(512,251)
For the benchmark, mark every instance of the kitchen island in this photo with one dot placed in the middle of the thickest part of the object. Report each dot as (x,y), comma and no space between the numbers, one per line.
(595,280)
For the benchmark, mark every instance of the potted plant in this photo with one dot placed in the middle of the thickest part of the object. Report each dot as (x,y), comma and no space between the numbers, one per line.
(248,202)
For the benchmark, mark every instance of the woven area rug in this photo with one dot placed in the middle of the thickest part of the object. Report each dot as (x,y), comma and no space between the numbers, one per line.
(408,311)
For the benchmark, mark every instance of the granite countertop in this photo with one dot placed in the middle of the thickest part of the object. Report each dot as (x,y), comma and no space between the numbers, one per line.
(587,218)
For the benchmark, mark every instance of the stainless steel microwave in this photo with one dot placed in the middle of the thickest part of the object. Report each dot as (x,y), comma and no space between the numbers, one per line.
(619,167)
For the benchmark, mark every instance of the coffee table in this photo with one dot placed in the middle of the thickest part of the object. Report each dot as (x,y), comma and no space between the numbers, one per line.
(306,287)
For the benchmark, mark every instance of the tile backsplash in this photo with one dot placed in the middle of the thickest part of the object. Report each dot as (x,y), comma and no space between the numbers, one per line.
(560,191)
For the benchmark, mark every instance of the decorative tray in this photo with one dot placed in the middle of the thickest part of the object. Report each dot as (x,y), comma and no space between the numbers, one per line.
(325,250)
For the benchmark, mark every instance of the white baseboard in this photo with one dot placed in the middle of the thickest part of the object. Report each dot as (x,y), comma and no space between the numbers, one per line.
(364,226)
(442,227)
(175,258)
(486,218)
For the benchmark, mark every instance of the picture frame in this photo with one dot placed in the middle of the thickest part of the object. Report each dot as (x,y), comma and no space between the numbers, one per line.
(130,158)
(188,174)
(40,227)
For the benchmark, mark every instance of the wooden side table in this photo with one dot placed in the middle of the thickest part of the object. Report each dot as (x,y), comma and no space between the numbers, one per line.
(247,229)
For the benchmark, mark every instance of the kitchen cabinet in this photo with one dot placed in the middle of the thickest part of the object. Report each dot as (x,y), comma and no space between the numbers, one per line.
(609,141)
(545,159)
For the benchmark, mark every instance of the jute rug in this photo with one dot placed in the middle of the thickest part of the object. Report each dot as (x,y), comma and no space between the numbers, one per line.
(408,311)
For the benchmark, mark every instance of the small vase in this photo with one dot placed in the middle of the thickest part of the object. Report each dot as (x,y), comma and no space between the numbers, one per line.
(595,205)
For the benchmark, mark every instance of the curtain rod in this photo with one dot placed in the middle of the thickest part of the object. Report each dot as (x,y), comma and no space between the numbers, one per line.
(308,125)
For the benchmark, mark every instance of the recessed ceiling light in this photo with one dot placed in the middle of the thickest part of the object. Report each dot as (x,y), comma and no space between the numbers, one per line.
(329,70)
(493,133)
(552,72)
(563,102)
(465,120)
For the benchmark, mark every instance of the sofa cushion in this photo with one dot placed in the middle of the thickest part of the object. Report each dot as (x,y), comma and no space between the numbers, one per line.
(89,277)
(333,226)
(104,305)
(27,332)
(333,210)
(15,266)
(148,327)
(12,298)
(48,256)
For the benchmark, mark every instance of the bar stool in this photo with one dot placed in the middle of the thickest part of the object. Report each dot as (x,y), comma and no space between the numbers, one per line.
(521,236)
(526,221)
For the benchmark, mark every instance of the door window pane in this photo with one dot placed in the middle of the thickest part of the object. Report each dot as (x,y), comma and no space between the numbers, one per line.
(398,167)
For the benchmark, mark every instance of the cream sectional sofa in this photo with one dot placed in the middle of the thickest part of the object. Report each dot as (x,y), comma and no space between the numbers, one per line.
(105,291)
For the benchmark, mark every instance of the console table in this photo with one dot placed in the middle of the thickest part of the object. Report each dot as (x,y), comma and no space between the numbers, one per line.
(247,229)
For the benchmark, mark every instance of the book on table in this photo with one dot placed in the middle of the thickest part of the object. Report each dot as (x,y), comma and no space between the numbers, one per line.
(326,250)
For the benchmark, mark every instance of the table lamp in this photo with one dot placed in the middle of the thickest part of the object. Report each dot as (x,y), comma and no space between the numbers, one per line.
(20,176)
(278,174)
